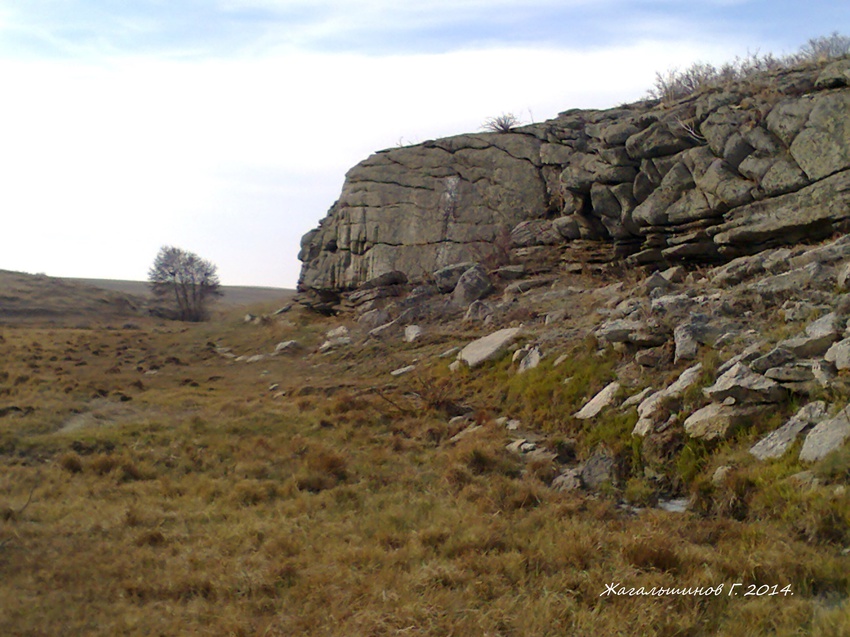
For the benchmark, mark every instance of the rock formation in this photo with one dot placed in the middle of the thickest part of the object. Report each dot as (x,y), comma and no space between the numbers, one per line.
(719,174)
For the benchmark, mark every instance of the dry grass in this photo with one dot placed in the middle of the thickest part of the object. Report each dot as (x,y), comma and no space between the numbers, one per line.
(206,505)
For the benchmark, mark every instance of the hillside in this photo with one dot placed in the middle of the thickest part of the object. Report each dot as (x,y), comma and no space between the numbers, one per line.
(587,377)
(39,298)
(381,472)
(233,295)
(36,297)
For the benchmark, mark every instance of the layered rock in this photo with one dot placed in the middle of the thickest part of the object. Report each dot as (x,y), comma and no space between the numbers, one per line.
(716,175)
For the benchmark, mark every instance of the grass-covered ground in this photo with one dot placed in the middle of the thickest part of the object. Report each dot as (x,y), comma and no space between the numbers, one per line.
(149,486)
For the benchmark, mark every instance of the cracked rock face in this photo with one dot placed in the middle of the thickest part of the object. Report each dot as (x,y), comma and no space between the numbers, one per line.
(717,175)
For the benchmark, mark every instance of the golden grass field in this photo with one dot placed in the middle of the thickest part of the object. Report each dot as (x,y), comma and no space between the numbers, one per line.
(149,486)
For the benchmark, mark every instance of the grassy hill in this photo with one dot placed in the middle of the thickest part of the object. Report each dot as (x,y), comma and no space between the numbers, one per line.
(168,478)
(234,295)
(37,298)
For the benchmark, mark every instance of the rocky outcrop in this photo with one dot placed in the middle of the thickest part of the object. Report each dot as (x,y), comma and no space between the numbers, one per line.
(722,173)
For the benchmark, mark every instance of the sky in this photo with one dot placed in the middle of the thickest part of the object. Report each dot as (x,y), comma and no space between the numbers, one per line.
(226,127)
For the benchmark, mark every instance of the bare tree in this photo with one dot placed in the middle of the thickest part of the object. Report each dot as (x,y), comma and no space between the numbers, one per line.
(185,279)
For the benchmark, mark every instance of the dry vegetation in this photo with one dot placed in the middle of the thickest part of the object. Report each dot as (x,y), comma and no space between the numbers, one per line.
(151,487)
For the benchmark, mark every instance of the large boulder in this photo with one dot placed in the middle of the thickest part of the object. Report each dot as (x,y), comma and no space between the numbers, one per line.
(652,408)
(826,437)
(777,442)
(600,401)
(717,421)
(489,347)
(446,278)
(472,285)
(745,386)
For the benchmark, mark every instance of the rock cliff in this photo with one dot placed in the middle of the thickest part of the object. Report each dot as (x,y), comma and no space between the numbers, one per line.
(721,173)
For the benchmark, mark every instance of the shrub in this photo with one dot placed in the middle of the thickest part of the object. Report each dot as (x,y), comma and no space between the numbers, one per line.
(71,462)
(674,84)
(502,123)
(825,47)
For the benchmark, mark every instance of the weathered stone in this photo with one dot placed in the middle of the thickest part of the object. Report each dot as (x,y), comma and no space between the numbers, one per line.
(417,208)
(569,480)
(618,330)
(412,333)
(825,437)
(717,421)
(687,345)
(774,358)
(488,347)
(521,446)
(788,282)
(824,372)
(403,370)
(472,285)
(637,333)
(334,343)
(826,326)
(808,346)
(656,141)
(600,401)
(553,318)
(797,311)
(676,274)
(374,318)
(745,386)
(777,442)
(822,148)
(634,401)
(720,475)
(535,232)
(655,281)
(362,297)
(839,354)
(813,212)
(337,332)
(287,347)
(651,409)
(790,374)
(386,330)
(520,352)
(446,278)
(511,272)
(530,360)
(394,277)
(835,75)
(670,303)
(478,311)
(788,118)
(524,285)
(567,227)
(654,357)
(698,330)
(721,125)
(599,470)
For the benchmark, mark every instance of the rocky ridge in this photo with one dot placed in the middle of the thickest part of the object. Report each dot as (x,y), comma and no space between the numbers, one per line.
(753,352)
(699,248)
(719,174)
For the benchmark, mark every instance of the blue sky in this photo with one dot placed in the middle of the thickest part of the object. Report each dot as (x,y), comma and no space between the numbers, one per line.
(226,127)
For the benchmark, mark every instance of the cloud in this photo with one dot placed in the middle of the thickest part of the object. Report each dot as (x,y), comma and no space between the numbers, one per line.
(197,29)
